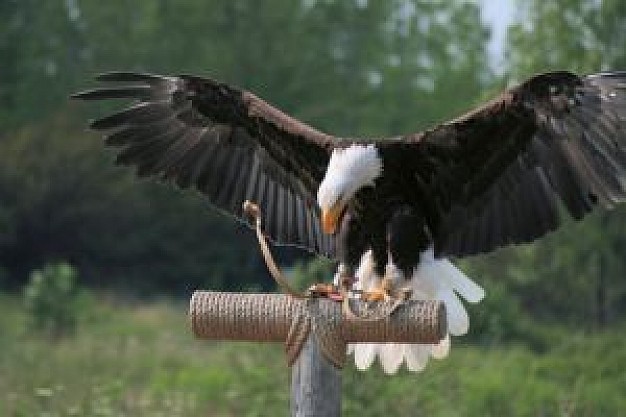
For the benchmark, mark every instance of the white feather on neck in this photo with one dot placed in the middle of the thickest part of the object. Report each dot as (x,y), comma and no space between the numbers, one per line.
(349,170)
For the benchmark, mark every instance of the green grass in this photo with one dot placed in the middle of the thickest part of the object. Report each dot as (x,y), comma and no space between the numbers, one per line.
(141,360)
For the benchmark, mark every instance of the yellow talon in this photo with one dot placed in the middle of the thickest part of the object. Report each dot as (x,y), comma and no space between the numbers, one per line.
(382,292)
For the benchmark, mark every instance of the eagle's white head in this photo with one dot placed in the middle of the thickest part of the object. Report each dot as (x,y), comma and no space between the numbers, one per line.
(349,170)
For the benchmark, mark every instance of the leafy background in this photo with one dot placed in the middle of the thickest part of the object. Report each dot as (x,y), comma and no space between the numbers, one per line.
(547,340)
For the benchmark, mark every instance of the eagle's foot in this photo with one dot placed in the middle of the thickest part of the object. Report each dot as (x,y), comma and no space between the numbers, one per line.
(386,291)
(382,292)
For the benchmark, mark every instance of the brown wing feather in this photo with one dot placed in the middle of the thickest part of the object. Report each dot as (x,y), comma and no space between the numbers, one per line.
(228,143)
(502,169)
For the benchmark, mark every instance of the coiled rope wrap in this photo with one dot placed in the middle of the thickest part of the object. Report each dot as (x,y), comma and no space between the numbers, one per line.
(282,318)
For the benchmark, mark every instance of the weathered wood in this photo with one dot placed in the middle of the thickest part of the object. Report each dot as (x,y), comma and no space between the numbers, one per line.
(315,384)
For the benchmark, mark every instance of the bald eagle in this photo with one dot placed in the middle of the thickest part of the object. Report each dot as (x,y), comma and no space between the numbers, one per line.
(389,210)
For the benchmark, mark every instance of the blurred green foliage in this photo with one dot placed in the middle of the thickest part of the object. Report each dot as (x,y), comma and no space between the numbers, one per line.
(61,197)
(349,67)
(140,360)
(547,340)
(51,300)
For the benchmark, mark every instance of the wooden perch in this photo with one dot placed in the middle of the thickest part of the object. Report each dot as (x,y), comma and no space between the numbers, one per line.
(282,318)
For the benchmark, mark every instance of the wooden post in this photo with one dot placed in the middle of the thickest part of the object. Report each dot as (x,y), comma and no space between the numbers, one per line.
(315,333)
(315,384)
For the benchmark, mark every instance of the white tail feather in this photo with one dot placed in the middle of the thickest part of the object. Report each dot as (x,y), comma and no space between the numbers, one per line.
(436,279)
(391,356)
(458,320)
(416,357)
(441,349)
(364,355)
(465,287)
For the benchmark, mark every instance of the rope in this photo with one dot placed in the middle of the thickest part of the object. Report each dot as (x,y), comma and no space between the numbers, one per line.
(381,313)
(282,318)
(253,210)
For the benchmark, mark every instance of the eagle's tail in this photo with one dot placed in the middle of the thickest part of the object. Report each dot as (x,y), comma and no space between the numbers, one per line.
(433,279)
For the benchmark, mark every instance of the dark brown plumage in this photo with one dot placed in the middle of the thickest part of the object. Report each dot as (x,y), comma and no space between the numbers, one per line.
(492,177)
(556,137)
(229,144)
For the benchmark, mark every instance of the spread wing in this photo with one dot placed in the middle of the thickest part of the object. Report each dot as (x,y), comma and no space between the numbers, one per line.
(501,173)
(229,144)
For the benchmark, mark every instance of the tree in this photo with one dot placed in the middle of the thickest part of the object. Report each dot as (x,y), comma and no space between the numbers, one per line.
(62,199)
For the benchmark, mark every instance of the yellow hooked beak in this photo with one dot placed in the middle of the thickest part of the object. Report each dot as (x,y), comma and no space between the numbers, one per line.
(331,217)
